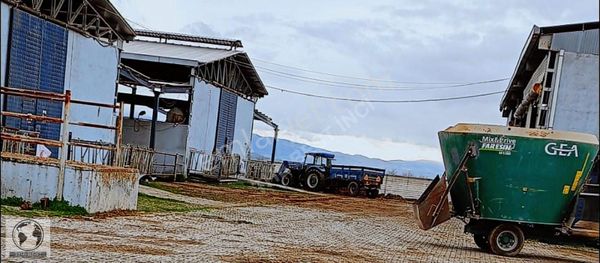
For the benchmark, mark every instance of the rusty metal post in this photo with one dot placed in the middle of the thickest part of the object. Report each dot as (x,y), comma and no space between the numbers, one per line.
(119,135)
(65,145)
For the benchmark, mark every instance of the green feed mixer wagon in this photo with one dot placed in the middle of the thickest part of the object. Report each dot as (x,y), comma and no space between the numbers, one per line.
(507,183)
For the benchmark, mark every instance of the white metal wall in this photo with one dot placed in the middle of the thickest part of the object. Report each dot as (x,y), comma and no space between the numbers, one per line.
(91,75)
(242,135)
(577,98)
(203,122)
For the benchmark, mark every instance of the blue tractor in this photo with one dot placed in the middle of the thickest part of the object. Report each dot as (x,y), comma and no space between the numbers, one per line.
(317,173)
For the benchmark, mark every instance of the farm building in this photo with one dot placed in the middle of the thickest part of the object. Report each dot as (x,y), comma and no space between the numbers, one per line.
(190,99)
(555,86)
(60,120)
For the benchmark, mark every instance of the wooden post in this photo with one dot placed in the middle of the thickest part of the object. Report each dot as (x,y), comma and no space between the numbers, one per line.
(65,145)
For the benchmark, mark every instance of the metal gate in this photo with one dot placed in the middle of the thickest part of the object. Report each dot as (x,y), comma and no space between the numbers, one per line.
(37,56)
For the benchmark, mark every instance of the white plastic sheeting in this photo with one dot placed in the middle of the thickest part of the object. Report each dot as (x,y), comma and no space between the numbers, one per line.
(242,135)
(203,122)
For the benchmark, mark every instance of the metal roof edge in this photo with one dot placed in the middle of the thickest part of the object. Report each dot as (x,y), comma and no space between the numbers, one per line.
(535,31)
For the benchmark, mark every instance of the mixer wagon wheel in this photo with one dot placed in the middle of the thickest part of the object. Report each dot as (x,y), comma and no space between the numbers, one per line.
(482,241)
(506,240)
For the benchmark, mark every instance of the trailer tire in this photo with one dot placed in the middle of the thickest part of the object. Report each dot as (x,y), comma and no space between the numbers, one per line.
(506,240)
(314,180)
(482,241)
(353,188)
(372,193)
(286,179)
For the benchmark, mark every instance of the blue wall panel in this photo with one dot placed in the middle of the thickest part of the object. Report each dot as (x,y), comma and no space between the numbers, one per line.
(37,57)
(226,119)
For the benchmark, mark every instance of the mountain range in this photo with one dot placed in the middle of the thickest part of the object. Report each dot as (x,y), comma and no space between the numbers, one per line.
(293,151)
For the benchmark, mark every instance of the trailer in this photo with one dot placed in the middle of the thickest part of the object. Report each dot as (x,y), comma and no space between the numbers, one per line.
(507,183)
(318,172)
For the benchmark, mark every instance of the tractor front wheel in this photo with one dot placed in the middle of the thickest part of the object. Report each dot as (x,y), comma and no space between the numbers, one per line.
(286,179)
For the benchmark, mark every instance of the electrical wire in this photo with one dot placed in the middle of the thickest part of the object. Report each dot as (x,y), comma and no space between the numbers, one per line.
(357,85)
(386,101)
(361,78)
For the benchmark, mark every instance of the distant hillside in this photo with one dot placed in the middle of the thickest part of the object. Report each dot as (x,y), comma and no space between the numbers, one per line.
(289,150)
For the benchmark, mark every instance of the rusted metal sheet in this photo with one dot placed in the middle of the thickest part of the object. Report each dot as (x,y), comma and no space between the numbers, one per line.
(432,208)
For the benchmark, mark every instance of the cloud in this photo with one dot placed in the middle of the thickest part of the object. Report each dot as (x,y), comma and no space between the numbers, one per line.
(427,41)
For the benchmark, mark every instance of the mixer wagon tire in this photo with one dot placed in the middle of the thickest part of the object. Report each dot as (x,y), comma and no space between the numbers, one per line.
(506,240)
(314,180)
(482,241)
(353,188)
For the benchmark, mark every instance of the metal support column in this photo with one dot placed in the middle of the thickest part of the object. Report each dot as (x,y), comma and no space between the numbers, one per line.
(154,118)
(132,108)
(274,145)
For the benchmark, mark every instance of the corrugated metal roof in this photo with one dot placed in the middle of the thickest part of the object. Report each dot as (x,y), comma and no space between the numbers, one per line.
(577,41)
(582,37)
(184,52)
(188,55)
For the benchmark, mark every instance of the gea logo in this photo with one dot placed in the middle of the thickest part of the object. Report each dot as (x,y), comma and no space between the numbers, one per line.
(562,149)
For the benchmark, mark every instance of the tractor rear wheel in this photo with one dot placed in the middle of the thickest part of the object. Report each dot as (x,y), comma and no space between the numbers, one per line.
(353,188)
(506,240)
(314,180)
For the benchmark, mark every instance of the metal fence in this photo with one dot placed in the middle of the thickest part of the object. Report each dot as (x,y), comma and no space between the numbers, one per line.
(261,170)
(214,166)
(406,187)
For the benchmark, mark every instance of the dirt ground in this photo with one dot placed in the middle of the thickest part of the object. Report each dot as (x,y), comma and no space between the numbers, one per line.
(262,225)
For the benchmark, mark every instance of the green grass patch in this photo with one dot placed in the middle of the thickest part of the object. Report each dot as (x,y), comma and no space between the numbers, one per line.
(11,206)
(11,201)
(164,187)
(152,204)
(237,185)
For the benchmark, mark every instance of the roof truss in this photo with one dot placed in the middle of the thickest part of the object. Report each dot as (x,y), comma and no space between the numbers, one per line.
(78,15)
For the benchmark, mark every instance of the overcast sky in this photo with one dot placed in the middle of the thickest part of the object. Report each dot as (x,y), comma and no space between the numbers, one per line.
(408,41)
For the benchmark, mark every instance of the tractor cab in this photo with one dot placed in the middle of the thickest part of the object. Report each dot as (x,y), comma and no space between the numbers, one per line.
(324,160)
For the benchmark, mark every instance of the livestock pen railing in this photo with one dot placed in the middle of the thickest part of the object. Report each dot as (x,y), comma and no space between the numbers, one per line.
(22,142)
(213,165)
(261,170)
